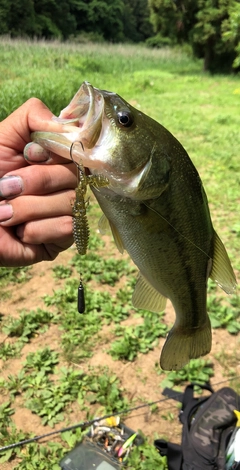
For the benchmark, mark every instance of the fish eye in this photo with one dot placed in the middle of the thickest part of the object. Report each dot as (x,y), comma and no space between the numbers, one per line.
(125,118)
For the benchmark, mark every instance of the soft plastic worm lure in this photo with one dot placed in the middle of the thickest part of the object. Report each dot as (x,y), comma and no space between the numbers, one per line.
(80,222)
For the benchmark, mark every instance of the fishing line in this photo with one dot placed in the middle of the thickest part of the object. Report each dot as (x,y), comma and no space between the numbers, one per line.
(179,233)
(79,213)
(80,222)
(86,424)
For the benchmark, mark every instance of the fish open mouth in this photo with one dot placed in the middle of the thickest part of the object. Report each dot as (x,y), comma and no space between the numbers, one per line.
(89,137)
(81,124)
(86,109)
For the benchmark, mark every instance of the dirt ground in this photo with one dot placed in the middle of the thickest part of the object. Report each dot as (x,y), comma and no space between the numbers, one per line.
(140,379)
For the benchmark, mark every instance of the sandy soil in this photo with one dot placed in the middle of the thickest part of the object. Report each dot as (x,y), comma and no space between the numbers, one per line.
(140,379)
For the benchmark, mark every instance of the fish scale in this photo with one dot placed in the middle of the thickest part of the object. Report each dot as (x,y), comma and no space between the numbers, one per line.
(156,207)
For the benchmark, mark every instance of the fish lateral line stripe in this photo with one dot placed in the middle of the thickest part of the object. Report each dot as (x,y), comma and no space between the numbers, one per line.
(179,233)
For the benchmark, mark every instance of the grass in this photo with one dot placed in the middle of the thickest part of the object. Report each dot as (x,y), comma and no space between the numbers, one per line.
(68,380)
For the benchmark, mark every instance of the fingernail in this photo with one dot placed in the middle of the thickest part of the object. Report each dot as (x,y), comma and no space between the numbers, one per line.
(6,212)
(11,186)
(35,153)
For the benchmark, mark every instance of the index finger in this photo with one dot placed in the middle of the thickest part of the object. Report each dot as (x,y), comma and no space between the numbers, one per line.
(32,116)
(38,180)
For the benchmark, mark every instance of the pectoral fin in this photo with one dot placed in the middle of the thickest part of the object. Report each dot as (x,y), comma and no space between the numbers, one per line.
(222,271)
(105,226)
(146,297)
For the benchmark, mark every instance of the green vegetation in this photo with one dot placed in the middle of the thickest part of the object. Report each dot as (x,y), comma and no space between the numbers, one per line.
(210,27)
(16,275)
(141,338)
(107,271)
(27,324)
(224,316)
(198,370)
(62,367)
(121,20)
(146,457)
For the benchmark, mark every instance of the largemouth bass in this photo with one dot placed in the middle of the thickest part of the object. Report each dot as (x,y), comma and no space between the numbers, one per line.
(156,207)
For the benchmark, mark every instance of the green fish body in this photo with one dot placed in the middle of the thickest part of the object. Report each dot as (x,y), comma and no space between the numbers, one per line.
(157,209)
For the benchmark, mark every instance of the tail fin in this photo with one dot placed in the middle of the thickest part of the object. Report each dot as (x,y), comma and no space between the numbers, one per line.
(182,345)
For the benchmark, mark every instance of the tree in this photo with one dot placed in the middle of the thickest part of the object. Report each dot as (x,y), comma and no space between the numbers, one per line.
(210,26)
(112,20)
(19,17)
(103,17)
(231,31)
(173,19)
(136,20)
(206,35)
(53,18)
(4,15)
(41,18)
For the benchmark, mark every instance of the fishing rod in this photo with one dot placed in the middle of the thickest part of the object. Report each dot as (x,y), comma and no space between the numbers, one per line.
(86,424)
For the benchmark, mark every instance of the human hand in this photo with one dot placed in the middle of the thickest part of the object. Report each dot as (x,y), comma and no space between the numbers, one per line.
(35,200)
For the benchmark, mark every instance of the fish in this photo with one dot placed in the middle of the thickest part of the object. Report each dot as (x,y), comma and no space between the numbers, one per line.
(156,207)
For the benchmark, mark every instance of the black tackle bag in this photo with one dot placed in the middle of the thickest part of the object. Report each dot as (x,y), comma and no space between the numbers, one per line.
(208,423)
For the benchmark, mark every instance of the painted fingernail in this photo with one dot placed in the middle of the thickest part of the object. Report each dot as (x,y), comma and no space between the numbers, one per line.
(6,212)
(11,186)
(35,153)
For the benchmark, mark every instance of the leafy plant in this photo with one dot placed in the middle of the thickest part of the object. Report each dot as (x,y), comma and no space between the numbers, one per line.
(105,390)
(38,456)
(16,383)
(9,434)
(168,416)
(78,337)
(42,360)
(95,240)
(27,324)
(33,455)
(5,412)
(61,272)
(73,437)
(104,271)
(9,350)
(47,399)
(15,275)
(137,339)
(146,457)
(198,370)
(223,316)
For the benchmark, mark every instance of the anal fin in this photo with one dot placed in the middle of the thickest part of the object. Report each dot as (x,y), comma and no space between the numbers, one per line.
(146,297)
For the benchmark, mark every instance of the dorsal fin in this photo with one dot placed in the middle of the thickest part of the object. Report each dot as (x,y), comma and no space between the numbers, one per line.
(146,297)
(104,226)
(222,271)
